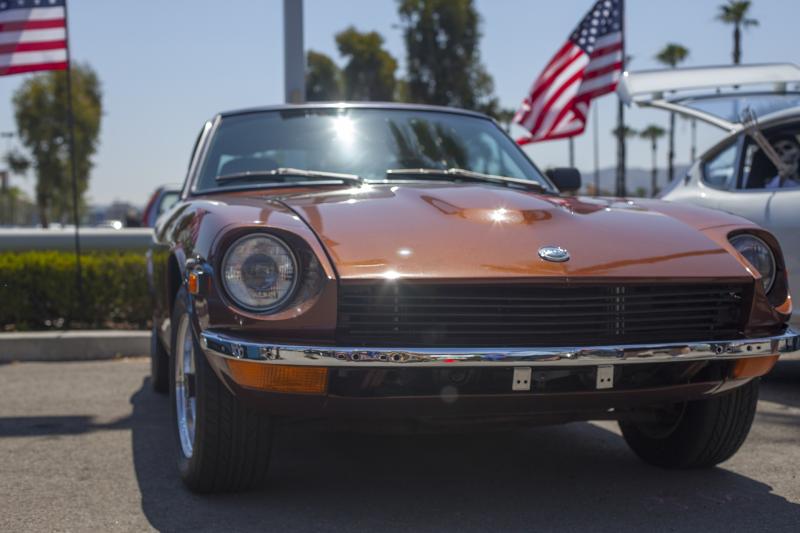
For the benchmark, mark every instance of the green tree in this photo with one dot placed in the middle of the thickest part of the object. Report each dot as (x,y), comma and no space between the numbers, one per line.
(442,40)
(323,78)
(735,14)
(671,55)
(40,110)
(653,133)
(370,70)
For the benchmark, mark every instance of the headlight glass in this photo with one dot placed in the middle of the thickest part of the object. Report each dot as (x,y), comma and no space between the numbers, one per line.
(259,272)
(759,255)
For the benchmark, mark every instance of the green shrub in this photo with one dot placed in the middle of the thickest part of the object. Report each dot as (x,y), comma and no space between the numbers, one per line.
(37,290)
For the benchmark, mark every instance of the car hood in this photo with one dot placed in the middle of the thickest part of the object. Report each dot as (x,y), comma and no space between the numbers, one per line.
(475,231)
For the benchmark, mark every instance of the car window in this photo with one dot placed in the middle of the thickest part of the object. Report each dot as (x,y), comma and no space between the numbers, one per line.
(720,169)
(759,172)
(168,199)
(361,141)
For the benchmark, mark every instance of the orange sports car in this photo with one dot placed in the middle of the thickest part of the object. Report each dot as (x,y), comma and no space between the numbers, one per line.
(389,262)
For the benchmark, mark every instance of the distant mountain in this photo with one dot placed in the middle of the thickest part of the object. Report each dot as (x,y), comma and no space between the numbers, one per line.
(637,179)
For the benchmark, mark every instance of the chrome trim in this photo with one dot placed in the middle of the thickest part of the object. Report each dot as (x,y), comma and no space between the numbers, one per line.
(223,345)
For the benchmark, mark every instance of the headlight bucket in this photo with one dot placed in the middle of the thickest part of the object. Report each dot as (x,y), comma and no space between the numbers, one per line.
(760,255)
(259,272)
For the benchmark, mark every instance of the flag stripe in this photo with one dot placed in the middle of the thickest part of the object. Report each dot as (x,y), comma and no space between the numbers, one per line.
(34,13)
(606,50)
(29,36)
(20,69)
(612,68)
(30,47)
(603,61)
(32,58)
(19,25)
(562,92)
(556,87)
(567,56)
(601,81)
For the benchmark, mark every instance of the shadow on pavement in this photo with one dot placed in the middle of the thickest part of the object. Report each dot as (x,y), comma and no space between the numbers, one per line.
(565,477)
(782,384)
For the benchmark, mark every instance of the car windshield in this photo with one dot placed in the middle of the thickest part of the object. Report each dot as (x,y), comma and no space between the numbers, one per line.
(359,141)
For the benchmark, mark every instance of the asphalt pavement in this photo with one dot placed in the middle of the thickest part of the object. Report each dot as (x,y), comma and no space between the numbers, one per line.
(87,446)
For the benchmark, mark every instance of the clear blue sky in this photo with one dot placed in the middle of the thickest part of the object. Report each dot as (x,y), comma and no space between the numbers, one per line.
(168,66)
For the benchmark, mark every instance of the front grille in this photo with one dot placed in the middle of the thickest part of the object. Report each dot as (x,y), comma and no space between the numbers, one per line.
(421,314)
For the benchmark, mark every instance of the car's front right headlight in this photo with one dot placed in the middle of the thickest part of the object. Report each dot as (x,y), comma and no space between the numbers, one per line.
(759,254)
(259,272)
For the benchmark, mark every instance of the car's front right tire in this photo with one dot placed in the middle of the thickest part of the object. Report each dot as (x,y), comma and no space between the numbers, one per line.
(223,446)
(698,434)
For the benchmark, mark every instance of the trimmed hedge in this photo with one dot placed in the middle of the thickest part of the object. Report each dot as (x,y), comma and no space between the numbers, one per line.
(37,290)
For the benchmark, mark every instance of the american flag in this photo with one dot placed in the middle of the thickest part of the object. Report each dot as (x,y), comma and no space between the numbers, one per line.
(587,66)
(33,36)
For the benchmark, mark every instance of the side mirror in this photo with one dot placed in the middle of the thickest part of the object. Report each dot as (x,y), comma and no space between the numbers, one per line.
(565,178)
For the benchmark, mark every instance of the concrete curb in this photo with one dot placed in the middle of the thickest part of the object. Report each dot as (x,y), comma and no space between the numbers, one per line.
(72,345)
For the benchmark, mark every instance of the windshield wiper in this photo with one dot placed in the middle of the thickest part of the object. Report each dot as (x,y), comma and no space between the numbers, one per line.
(468,175)
(290,172)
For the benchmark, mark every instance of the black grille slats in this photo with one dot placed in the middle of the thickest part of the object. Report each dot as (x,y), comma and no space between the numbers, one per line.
(421,314)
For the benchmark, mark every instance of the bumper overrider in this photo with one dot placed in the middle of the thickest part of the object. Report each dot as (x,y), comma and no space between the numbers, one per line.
(316,380)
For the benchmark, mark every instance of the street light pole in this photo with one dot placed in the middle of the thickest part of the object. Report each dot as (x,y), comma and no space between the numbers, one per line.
(294,61)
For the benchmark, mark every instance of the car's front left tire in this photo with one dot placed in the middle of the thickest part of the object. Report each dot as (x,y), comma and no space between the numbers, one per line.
(223,446)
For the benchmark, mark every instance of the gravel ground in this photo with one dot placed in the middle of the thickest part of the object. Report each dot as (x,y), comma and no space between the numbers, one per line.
(88,446)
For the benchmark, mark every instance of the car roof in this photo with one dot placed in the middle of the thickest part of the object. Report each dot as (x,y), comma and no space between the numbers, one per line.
(356,105)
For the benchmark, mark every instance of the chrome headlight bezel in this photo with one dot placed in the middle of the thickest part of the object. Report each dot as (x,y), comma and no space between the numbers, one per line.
(275,306)
(767,282)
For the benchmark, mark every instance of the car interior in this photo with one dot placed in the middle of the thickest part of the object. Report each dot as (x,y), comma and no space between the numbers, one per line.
(759,172)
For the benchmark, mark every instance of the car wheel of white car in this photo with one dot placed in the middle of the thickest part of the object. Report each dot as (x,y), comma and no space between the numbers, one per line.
(698,434)
(222,445)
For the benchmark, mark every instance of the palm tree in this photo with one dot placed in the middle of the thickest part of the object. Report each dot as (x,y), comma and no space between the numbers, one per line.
(622,134)
(653,133)
(671,55)
(735,14)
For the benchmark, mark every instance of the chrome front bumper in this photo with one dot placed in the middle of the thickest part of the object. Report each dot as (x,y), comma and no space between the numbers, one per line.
(226,346)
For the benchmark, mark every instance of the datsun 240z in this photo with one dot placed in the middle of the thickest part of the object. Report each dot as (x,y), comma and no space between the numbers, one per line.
(393,262)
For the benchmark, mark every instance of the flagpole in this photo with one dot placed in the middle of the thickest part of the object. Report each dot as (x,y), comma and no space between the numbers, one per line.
(596,151)
(72,164)
(621,189)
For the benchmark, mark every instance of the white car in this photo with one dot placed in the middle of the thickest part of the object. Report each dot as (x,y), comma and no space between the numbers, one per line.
(753,170)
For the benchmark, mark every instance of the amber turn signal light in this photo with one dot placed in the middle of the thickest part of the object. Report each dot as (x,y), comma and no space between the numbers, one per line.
(194,283)
(279,378)
(752,367)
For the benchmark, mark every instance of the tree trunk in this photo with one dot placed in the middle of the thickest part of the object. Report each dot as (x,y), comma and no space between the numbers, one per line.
(671,154)
(737,44)
(653,176)
(42,214)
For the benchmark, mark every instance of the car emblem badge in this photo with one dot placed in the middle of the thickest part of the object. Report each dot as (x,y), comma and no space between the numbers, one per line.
(556,254)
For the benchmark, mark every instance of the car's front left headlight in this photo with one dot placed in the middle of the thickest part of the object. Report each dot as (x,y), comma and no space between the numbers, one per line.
(259,272)
(759,254)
